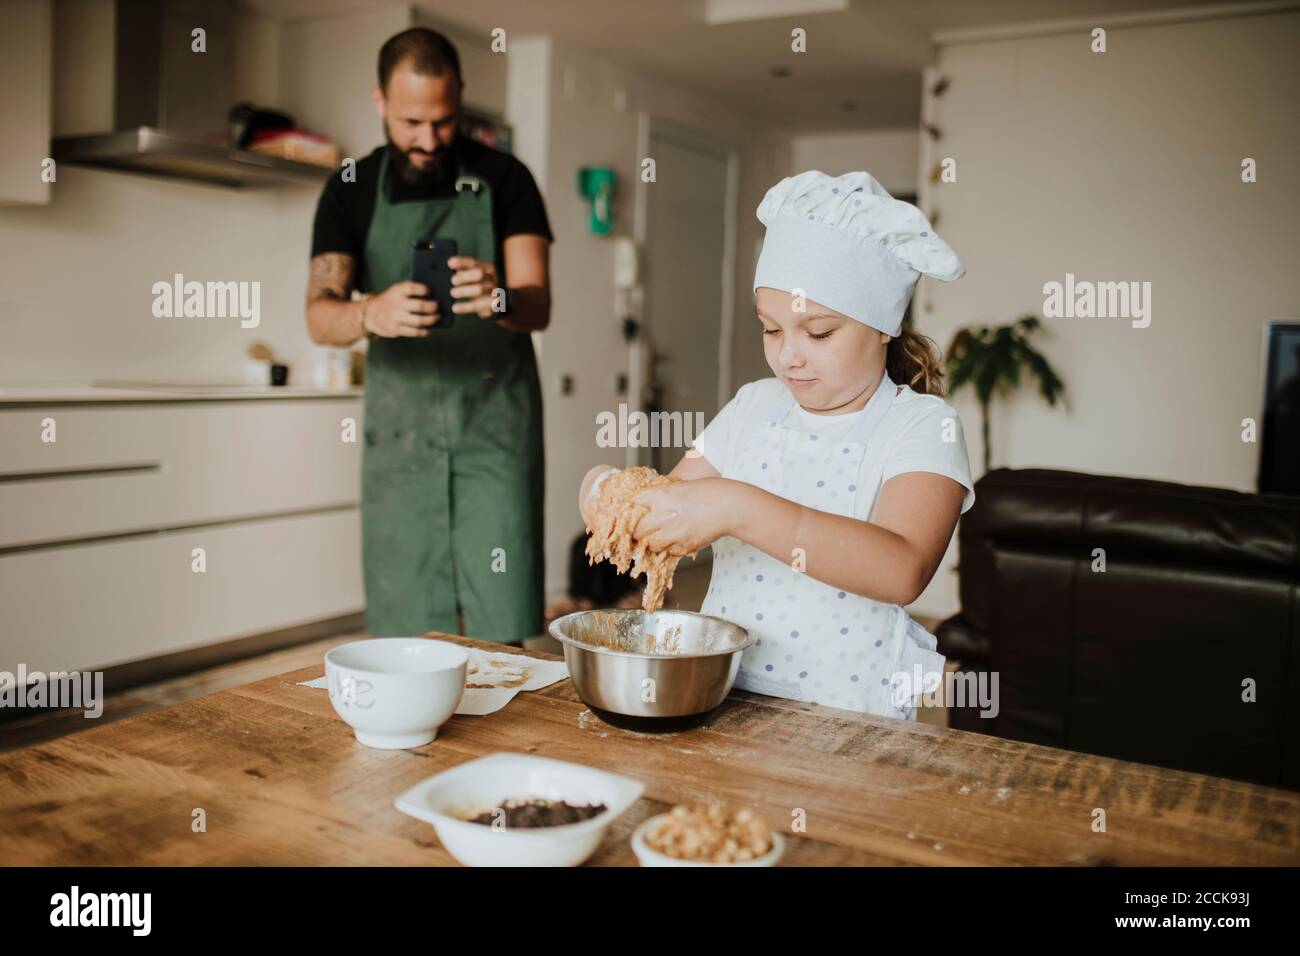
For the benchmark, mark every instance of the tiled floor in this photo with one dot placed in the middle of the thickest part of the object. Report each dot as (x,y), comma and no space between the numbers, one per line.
(688,592)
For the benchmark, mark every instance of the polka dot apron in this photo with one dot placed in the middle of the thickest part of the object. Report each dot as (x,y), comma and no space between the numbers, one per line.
(814,641)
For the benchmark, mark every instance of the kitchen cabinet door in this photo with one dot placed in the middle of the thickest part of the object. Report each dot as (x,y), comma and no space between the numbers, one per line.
(93,606)
(136,468)
(26,72)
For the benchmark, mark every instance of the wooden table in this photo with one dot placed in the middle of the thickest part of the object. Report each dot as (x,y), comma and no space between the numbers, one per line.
(282,781)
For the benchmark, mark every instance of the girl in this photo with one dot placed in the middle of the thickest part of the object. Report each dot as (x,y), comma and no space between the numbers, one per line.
(829,492)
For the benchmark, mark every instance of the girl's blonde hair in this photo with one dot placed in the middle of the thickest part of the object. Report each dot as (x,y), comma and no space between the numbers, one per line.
(914,360)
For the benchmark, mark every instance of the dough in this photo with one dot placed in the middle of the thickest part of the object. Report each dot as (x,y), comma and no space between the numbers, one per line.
(616,514)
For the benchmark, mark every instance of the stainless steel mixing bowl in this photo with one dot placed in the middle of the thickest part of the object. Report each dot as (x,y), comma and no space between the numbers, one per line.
(612,654)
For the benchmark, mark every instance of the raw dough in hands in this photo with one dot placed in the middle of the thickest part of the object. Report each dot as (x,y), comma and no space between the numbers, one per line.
(615,515)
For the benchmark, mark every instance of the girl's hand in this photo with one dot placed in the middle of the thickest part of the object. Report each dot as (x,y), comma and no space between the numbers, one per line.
(586,500)
(685,516)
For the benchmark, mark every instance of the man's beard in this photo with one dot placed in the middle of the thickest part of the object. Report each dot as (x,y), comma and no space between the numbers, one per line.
(412,175)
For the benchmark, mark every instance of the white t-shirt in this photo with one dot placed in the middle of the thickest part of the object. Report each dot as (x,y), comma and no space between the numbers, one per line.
(918,433)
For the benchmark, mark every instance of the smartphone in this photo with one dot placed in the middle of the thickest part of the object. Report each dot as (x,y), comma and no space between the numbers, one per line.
(429,268)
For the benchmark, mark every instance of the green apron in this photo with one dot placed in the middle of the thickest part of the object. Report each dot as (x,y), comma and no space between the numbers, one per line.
(452,471)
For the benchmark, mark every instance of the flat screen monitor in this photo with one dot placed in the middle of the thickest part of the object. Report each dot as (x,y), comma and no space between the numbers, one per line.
(1279,449)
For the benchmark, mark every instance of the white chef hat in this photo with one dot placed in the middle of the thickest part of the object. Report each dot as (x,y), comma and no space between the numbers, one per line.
(850,246)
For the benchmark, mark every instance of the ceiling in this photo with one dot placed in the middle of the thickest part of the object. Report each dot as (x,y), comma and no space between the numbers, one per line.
(862,68)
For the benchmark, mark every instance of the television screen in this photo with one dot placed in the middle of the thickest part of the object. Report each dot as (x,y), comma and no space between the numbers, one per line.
(1279,452)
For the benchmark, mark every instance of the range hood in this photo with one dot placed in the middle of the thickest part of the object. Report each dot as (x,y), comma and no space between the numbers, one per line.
(148,150)
(171,104)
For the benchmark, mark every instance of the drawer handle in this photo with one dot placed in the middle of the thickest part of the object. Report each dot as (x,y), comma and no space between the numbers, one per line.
(103,471)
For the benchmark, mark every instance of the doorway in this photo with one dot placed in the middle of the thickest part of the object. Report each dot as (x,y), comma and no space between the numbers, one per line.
(689,241)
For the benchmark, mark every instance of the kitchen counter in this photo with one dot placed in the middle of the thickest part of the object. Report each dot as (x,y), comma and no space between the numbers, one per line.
(283,782)
(96,393)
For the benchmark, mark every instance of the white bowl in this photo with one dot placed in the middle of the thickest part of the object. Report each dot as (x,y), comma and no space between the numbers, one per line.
(395,692)
(445,800)
(648,857)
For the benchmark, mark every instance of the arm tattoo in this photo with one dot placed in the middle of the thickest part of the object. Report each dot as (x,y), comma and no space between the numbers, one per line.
(332,277)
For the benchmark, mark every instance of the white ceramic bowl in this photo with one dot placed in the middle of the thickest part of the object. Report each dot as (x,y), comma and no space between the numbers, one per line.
(478,785)
(396,692)
(648,857)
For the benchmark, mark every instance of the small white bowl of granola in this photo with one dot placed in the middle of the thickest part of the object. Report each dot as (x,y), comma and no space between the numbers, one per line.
(696,835)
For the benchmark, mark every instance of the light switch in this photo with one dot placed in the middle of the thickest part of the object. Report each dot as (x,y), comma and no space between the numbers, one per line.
(625,263)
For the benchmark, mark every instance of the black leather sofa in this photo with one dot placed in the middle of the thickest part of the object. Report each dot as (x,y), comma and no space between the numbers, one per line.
(1148,659)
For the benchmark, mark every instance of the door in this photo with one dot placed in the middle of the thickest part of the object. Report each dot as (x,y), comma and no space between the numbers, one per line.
(689,277)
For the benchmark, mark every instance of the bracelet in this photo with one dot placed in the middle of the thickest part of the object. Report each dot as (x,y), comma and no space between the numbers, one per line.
(365,299)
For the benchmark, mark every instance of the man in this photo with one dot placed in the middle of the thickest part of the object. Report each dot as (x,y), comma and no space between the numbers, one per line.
(452,480)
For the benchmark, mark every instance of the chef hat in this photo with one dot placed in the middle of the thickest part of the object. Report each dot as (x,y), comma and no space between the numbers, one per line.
(850,246)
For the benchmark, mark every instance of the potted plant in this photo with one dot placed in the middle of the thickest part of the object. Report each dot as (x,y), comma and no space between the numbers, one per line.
(990,359)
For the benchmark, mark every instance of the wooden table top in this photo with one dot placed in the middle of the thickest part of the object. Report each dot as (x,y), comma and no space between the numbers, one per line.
(282,781)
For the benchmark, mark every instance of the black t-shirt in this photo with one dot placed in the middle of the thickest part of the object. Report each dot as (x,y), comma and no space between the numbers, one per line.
(345,208)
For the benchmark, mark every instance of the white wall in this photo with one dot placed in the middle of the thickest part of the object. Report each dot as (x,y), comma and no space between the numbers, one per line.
(78,273)
(1123,166)
(889,155)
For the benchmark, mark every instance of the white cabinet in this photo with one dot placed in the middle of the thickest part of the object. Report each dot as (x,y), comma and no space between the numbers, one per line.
(86,607)
(99,529)
(163,465)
